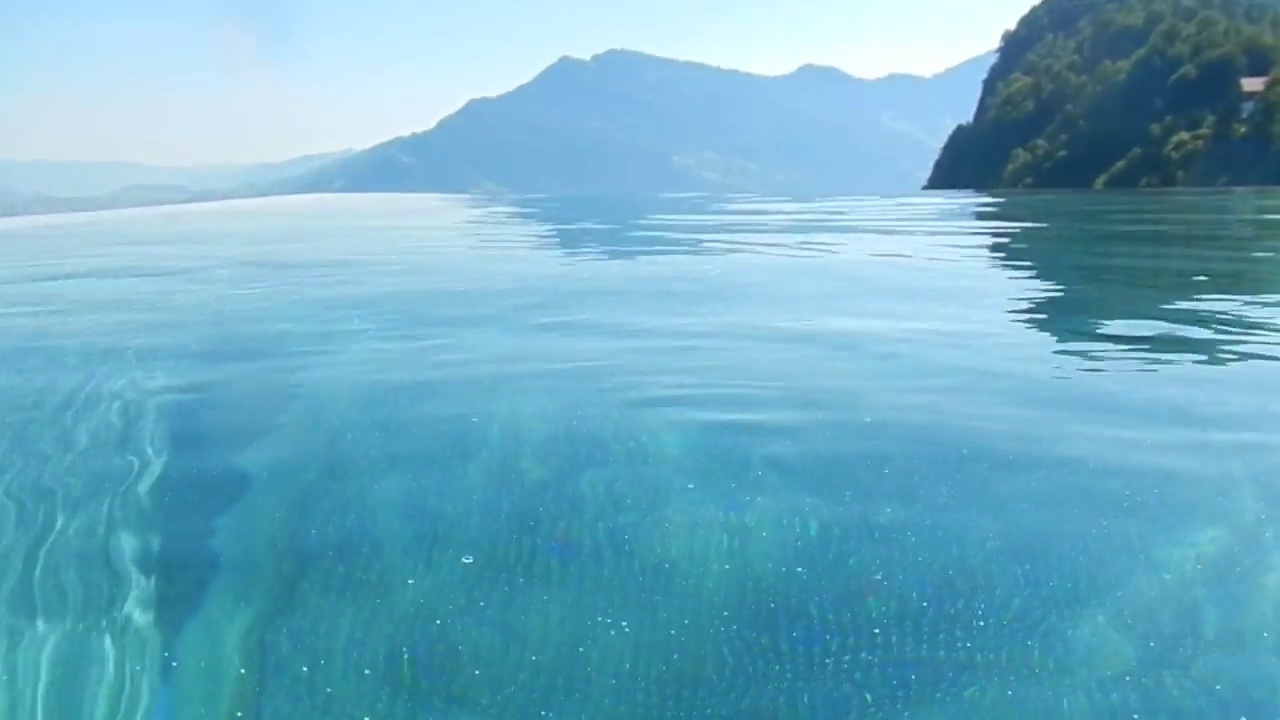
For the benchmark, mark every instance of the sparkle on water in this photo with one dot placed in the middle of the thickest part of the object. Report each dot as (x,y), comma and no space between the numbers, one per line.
(413,457)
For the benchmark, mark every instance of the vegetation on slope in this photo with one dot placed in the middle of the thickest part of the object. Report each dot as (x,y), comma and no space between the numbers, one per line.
(1124,93)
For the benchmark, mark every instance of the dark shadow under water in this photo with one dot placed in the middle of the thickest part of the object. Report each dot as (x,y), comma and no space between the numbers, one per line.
(193,492)
(209,427)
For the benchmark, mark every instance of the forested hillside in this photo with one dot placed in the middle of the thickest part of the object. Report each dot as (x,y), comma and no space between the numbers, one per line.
(1125,93)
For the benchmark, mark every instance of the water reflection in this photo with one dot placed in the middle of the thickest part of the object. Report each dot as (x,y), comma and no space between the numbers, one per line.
(1156,278)
(623,228)
(1120,280)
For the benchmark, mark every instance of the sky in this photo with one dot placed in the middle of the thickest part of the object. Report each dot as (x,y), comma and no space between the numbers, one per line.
(233,81)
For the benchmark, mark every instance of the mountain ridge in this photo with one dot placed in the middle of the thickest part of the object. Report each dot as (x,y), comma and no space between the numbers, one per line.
(625,121)
(79,178)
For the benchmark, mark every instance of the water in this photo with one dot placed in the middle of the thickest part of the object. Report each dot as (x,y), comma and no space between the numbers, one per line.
(408,458)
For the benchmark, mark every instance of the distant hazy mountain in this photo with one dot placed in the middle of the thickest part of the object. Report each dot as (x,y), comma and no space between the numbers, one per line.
(76,178)
(12,203)
(621,122)
(627,122)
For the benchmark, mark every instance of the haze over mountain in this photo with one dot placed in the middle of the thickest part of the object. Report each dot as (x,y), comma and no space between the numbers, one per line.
(77,178)
(628,122)
(619,122)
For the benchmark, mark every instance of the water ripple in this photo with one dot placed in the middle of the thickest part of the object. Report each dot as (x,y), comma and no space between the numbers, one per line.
(941,456)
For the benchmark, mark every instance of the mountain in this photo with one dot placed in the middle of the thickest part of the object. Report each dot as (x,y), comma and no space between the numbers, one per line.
(12,203)
(624,122)
(81,178)
(1124,93)
(620,122)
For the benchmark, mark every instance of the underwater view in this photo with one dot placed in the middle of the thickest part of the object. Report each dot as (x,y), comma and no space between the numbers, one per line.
(398,457)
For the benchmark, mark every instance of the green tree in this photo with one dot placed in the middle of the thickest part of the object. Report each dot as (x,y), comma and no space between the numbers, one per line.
(1124,93)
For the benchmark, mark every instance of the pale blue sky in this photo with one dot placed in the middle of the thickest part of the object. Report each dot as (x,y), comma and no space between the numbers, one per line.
(179,81)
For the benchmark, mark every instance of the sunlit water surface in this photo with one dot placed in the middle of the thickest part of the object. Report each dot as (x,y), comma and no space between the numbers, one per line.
(411,458)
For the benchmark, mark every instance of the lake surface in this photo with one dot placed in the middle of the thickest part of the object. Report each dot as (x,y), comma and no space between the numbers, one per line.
(412,457)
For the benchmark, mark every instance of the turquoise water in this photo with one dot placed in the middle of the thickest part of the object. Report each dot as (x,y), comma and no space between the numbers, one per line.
(409,458)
